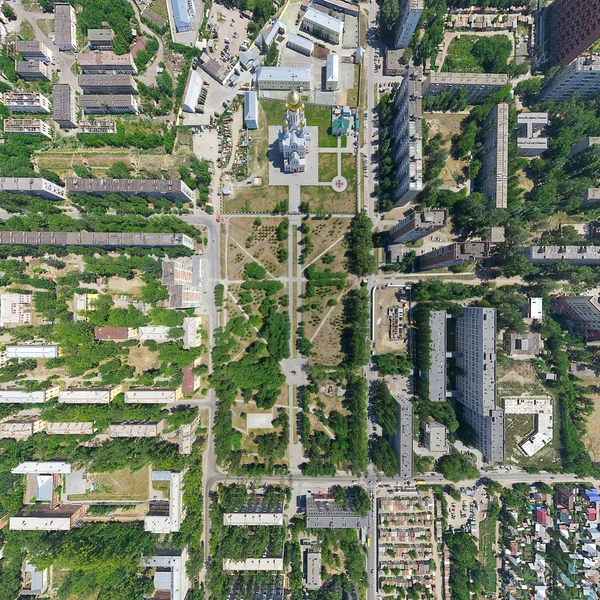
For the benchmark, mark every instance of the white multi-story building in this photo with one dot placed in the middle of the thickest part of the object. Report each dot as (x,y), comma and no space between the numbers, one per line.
(408,138)
(28,127)
(27,102)
(152,396)
(581,77)
(282,78)
(15,309)
(33,186)
(476,379)
(33,351)
(166,516)
(410,12)
(332,72)
(323,25)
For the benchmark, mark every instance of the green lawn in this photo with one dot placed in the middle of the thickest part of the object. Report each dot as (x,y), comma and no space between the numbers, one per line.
(487,540)
(491,55)
(316,116)
(327,166)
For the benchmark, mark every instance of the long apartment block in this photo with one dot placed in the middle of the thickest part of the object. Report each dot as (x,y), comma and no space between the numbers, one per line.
(103,127)
(454,254)
(408,138)
(91,238)
(410,12)
(173,189)
(65,27)
(476,379)
(575,255)
(417,225)
(108,83)
(28,127)
(478,85)
(402,441)
(64,105)
(106,62)
(581,77)
(27,102)
(494,171)
(436,376)
(108,105)
(33,186)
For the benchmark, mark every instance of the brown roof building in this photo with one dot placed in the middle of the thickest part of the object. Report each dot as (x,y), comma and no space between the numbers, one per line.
(103,62)
(32,70)
(118,334)
(575,27)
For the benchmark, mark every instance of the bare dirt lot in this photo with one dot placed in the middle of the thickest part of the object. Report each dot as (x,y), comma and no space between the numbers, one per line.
(386,297)
(118,485)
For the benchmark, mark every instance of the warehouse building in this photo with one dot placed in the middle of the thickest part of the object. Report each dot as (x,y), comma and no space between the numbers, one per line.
(332,72)
(28,127)
(33,186)
(322,25)
(65,27)
(100,39)
(40,352)
(106,62)
(27,102)
(282,78)
(117,104)
(34,50)
(192,91)
(89,238)
(33,70)
(250,110)
(182,11)
(65,105)
(300,44)
(173,189)
(108,83)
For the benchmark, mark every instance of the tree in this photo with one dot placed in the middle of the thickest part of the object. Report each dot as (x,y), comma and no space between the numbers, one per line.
(360,500)
(455,466)
(393,364)
(384,457)
(253,270)
(386,408)
(360,245)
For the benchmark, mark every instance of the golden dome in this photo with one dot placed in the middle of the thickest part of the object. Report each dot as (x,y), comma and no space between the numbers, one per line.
(293,98)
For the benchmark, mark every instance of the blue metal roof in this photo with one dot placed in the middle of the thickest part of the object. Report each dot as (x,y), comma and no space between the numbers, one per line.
(181,16)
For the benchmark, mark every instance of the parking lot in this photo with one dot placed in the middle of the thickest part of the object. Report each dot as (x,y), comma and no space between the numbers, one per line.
(469,510)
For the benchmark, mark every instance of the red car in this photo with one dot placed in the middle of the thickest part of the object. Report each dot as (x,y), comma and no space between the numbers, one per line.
(218,218)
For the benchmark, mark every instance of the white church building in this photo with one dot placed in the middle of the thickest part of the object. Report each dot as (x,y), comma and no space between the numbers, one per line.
(294,138)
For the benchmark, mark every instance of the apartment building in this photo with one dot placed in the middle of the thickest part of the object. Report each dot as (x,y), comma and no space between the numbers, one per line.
(417,225)
(64,105)
(184,270)
(103,127)
(28,127)
(494,170)
(107,83)
(165,516)
(410,12)
(100,39)
(581,77)
(583,312)
(89,395)
(132,429)
(575,26)
(531,142)
(33,186)
(46,518)
(106,62)
(436,376)
(21,428)
(435,437)
(33,351)
(173,189)
(170,580)
(33,70)
(27,102)
(402,441)
(17,396)
(102,239)
(575,255)
(15,309)
(478,85)
(454,254)
(65,27)
(322,25)
(117,104)
(584,144)
(152,396)
(34,50)
(476,379)
(407,135)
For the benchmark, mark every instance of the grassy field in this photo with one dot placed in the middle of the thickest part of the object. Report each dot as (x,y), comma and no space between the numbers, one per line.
(160,7)
(327,166)
(323,198)
(487,542)
(26,32)
(119,485)
(256,199)
(461,59)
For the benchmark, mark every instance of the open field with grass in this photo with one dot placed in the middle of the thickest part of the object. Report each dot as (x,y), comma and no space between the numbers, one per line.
(327,166)
(463,57)
(324,329)
(248,240)
(327,237)
(324,198)
(261,199)
(118,485)
(448,124)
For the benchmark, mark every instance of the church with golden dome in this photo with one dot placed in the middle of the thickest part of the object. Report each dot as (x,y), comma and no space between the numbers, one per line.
(294,137)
